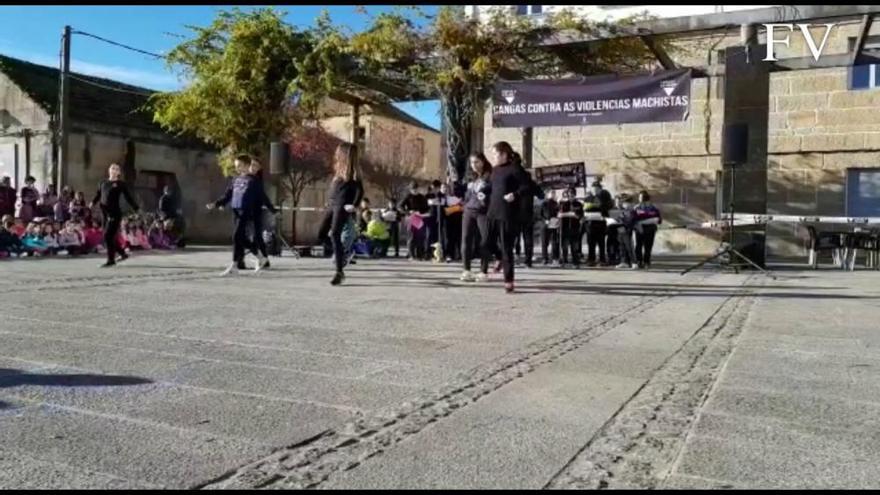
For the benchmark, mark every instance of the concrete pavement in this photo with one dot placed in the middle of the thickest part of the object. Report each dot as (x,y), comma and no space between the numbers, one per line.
(159,374)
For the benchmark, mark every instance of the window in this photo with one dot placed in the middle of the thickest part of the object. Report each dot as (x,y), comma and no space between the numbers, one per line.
(863,76)
(529,9)
(871,43)
(863,192)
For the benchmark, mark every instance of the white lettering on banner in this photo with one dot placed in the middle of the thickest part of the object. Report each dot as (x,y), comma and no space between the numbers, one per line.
(661,101)
(805,32)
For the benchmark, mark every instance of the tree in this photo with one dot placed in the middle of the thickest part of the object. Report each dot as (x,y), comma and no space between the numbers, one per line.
(239,70)
(460,59)
(311,151)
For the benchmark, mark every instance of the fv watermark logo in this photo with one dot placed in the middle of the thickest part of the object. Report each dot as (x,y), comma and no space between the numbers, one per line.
(815,49)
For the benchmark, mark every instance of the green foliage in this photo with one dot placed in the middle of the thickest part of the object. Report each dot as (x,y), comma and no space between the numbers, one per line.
(240,69)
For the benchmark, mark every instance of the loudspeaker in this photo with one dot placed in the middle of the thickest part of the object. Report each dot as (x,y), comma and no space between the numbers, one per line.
(278,158)
(735,144)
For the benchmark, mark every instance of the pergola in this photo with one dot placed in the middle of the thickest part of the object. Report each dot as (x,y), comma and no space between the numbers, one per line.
(394,87)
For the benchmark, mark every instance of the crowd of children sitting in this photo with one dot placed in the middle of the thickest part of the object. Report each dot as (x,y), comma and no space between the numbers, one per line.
(50,224)
(44,236)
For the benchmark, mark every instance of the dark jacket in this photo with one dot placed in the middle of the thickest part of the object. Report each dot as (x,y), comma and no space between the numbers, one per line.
(647,210)
(602,203)
(9,242)
(627,217)
(507,179)
(246,194)
(549,209)
(527,201)
(167,206)
(7,200)
(109,194)
(414,202)
(574,206)
(343,193)
(471,200)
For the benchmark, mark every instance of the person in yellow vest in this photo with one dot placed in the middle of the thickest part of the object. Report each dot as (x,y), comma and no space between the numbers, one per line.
(378,235)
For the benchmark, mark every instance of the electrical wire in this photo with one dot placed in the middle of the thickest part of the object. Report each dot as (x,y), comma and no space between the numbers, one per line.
(111,88)
(121,45)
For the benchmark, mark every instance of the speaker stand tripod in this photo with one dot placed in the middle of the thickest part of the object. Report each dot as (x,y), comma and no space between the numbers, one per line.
(280,236)
(728,249)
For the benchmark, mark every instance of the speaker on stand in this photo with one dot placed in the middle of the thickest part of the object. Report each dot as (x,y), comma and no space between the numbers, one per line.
(279,166)
(734,154)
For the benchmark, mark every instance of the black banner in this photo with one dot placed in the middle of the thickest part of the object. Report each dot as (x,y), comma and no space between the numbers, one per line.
(562,176)
(659,97)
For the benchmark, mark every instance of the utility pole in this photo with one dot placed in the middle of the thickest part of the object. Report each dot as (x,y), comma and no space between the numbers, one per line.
(64,111)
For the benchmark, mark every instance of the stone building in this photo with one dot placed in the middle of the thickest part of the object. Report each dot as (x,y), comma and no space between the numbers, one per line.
(107,125)
(814,125)
(397,149)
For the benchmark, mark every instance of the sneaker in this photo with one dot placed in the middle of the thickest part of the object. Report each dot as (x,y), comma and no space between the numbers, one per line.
(122,257)
(467,276)
(261,263)
(338,278)
(634,266)
(241,265)
(108,264)
(482,277)
(622,266)
(232,269)
(508,287)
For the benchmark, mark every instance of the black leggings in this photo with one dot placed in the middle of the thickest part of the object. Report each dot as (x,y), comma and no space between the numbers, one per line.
(111,236)
(645,243)
(240,236)
(596,238)
(333,223)
(504,231)
(474,224)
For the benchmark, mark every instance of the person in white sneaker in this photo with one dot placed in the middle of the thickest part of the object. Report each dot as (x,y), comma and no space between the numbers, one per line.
(475,219)
(247,197)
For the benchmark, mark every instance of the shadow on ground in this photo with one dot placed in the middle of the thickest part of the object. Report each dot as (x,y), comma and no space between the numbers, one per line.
(16,378)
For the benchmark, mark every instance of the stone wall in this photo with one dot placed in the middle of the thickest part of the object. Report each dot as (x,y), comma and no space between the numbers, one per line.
(817,129)
(93,148)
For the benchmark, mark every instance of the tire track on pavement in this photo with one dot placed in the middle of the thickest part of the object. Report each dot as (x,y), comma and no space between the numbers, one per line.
(309,464)
(638,445)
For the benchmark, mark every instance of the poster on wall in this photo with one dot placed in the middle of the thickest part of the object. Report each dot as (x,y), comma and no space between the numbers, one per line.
(663,96)
(561,176)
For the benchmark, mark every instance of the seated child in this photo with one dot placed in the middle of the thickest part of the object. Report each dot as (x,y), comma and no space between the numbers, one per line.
(33,241)
(50,238)
(10,243)
(378,235)
(93,237)
(69,239)
(157,236)
(173,233)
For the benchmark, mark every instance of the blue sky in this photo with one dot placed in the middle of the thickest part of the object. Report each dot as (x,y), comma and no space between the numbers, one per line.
(34,32)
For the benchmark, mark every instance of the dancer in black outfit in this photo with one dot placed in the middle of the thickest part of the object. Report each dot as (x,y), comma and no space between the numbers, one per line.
(475,226)
(509,183)
(526,226)
(259,199)
(346,191)
(108,194)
